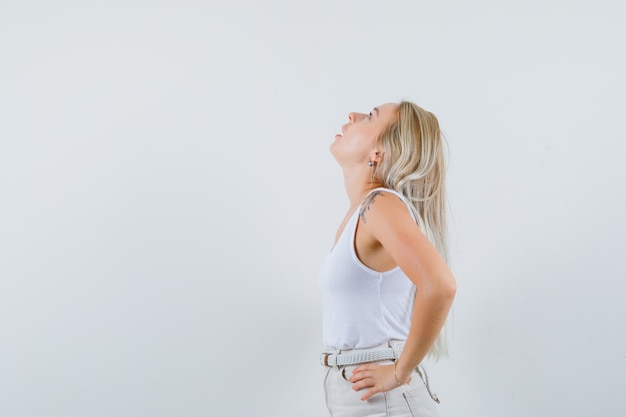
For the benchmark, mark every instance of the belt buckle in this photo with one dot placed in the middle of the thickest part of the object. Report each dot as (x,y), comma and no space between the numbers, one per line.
(324,358)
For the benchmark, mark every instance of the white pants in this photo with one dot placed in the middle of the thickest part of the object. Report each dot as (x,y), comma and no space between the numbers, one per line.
(412,400)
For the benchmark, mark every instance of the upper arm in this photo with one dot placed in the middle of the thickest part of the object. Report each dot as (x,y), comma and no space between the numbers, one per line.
(388,220)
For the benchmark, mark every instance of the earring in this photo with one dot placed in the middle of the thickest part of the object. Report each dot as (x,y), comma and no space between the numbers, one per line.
(371,164)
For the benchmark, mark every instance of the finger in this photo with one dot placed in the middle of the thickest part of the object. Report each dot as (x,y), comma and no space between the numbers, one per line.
(364,383)
(369,394)
(365,367)
(361,375)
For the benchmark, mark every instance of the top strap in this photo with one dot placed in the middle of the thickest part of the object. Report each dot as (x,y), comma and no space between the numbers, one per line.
(397,194)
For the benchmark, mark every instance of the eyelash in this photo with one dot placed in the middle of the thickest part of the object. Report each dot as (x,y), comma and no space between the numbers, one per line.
(369,116)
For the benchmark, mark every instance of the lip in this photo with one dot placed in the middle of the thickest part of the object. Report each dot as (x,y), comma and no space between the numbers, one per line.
(338,136)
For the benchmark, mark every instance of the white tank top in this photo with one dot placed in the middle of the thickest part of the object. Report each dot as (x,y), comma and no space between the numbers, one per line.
(362,308)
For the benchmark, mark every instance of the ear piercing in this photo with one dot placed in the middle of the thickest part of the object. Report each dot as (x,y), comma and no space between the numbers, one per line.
(371,164)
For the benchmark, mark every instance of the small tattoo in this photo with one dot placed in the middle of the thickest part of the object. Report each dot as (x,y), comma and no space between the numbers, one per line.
(368,203)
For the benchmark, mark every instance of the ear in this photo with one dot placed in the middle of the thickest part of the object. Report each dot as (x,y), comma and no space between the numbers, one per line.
(377,157)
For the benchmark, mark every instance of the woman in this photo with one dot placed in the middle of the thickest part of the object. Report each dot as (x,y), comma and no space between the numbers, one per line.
(386,287)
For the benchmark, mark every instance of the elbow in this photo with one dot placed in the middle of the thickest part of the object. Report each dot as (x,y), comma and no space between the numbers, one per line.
(450,290)
(447,288)
(440,288)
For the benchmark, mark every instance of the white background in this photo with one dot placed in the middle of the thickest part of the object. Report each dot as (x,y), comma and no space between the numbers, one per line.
(167,197)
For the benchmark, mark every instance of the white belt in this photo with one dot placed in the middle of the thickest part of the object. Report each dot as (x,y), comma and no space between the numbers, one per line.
(354,358)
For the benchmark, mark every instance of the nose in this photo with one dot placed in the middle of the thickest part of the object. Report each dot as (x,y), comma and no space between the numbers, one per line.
(353,117)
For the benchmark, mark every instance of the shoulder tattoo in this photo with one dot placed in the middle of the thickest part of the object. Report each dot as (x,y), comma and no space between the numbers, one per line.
(368,203)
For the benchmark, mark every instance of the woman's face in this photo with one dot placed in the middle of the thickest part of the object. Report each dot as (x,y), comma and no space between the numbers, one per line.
(356,145)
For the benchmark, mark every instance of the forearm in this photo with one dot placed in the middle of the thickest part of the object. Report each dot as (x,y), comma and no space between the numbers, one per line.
(429,315)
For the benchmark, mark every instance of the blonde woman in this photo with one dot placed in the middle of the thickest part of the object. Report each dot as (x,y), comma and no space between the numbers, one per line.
(386,286)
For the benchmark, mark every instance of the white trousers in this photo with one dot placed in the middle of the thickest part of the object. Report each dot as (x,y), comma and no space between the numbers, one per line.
(412,400)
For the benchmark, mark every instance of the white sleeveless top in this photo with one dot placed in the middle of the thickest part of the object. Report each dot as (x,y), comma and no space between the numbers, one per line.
(362,308)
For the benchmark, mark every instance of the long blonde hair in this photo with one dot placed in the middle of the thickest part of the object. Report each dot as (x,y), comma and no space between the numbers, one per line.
(414,165)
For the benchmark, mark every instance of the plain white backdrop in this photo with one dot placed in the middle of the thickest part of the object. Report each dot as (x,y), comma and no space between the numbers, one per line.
(167,197)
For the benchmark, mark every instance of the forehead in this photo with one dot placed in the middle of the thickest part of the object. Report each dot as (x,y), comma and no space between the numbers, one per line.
(386,110)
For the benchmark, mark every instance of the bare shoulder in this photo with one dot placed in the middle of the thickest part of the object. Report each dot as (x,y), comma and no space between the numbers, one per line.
(381,206)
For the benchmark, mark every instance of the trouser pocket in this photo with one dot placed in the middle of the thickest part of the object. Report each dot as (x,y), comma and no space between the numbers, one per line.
(418,400)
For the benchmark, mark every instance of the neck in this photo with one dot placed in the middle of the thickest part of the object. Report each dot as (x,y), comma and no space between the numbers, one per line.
(358,184)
